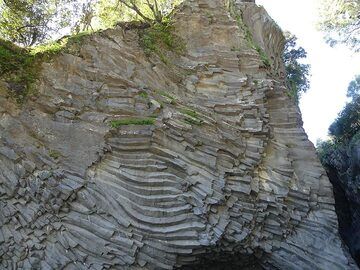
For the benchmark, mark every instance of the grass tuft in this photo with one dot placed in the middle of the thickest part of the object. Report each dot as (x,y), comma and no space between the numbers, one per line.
(263,56)
(132,121)
(249,38)
(191,113)
(52,48)
(54,154)
(171,98)
(194,117)
(143,95)
(159,38)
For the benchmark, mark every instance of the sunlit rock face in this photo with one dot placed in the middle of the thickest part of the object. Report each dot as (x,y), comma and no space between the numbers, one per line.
(225,178)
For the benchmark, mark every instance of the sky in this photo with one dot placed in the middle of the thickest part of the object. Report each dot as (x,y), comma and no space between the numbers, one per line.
(332,68)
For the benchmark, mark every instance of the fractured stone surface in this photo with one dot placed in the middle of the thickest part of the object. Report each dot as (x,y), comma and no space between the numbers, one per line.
(226,177)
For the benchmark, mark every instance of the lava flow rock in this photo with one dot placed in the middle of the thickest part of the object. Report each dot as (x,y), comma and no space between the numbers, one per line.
(196,160)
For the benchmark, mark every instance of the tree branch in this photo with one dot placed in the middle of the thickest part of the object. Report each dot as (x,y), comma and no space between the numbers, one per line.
(134,7)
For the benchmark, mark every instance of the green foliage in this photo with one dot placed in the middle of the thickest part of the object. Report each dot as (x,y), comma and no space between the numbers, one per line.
(330,152)
(54,154)
(111,12)
(168,96)
(86,16)
(210,17)
(48,48)
(20,67)
(355,139)
(192,117)
(263,56)
(347,124)
(293,92)
(189,112)
(297,74)
(12,57)
(353,90)
(325,149)
(160,38)
(68,44)
(132,121)
(339,19)
(72,44)
(31,22)
(193,121)
(345,130)
(143,95)
(249,38)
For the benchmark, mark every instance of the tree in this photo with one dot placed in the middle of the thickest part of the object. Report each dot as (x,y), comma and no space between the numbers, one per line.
(86,16)
(347,124)
(354,88)
(297,74)
(324,150)
(30,22)
(340,20)
(149,11)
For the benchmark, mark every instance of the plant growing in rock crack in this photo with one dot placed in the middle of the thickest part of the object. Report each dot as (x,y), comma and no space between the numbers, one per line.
(263,56)
(192,117)
(20,67)
(54,154)
(144,95)
(171,99)
(157,34)
(249,37)
(132,121)
(210,16)
(160,38)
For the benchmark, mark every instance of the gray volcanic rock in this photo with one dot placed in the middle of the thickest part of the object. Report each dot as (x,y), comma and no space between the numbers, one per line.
(225,177)
(343,167)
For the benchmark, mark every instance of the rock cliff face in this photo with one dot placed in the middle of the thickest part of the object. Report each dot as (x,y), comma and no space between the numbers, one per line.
(216,171)
(343,168)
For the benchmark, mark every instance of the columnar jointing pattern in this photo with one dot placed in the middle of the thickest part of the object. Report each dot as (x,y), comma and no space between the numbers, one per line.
(225,177)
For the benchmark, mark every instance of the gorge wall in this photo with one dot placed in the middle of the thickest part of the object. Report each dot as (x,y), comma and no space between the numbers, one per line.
(192,161)
(342,164)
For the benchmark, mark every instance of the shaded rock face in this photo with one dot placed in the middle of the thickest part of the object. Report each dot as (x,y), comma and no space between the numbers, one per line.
(225,177)
(343,168)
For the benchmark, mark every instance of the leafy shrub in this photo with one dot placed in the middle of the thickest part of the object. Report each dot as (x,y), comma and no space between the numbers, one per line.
(297,74)
(347,124)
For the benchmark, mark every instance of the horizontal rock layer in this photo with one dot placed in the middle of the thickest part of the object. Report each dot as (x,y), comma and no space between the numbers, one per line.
(225,177)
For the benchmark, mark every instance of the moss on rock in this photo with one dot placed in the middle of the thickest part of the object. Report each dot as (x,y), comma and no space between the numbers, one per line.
(159,38)
(20,67)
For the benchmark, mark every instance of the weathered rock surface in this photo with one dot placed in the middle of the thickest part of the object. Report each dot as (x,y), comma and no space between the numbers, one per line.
(343,167)
(225,178)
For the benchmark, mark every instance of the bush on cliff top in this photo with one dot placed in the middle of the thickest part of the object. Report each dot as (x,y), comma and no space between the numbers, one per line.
(20,67)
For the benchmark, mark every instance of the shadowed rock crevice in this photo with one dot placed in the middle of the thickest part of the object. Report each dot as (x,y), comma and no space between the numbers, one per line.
(225,261)
(343,171)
